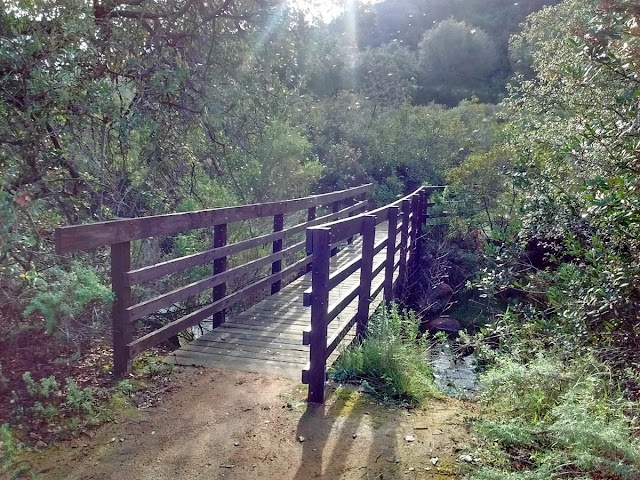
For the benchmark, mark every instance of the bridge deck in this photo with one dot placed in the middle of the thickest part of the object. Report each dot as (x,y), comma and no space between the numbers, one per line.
(267,338)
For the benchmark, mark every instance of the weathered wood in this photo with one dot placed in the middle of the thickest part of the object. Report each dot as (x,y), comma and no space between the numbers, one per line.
(335,207)
(152,305)
(343,302)
(335,278)
(121,328)
(404,242)
(278,224)
(368,232)
(311,215)
(392,234)
(339,335)
(320,302)
(219,266)
(380,246)
(85,237)
(413,235)
(193,318)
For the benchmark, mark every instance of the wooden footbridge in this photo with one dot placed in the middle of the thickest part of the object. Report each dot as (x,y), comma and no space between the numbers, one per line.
(326,261)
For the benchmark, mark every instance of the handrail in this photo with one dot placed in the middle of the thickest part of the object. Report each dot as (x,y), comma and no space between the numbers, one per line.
(119,234)
(76,238)
(405,217)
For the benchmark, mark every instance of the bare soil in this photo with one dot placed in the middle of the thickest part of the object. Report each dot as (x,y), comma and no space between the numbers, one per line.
(219,424)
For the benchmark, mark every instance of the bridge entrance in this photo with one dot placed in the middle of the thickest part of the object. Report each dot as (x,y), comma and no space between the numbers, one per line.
(282,301)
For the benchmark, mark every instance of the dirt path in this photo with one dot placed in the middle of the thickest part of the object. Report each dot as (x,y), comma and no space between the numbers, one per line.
(234,425)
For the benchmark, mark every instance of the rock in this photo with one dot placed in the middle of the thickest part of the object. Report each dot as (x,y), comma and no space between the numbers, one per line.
(41,444)
(301,439)
(466,458)
(410,438)
(35,436)
(437,299)
(236,444)
(434,460)
(355,435)
(448,325)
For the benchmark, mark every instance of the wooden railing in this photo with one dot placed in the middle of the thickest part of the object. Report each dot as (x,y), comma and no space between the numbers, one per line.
(405,218)
(118,234)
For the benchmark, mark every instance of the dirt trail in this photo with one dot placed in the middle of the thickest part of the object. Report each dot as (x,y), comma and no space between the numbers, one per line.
(235,425)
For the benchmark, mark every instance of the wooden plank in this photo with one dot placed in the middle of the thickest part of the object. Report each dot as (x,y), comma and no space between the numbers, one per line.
(339,335)
(278,224)
(152,272)
(121,328)
(379,246)
(234,363)
(318,336)
(216,281)
(368,238)
(193,318)
(246,354)
(250,342)
(335,278)
(311,215)
(404,240)
(391,253)
(343,302)
(219,267)
(85,237)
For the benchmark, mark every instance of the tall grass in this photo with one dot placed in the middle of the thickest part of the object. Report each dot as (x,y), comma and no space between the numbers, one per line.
(391,361)
(556,418)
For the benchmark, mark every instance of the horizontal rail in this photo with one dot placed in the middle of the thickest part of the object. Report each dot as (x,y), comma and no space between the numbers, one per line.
(152,305)
(380,246)
(337,337)
(177,326)
(85,237)
(345,228)
(146,274)
(378,268)
(335,278)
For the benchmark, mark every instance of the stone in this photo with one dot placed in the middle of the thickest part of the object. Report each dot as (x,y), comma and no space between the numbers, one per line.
(410,438)
(41,444)
(437,299)
(448,325)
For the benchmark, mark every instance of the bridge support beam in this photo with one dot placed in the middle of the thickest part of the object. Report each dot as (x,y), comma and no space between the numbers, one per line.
(368,233)
(320,240)
(391,254)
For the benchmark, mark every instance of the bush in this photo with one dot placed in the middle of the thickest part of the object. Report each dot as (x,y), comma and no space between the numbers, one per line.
(554,417)
(62,297)
(391,361)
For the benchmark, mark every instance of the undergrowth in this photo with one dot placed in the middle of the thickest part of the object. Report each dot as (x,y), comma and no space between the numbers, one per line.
(556,417)
(390,362)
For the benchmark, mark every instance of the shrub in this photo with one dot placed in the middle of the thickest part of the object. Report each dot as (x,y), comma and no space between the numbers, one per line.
(63,296)
(391,361)
(554,417)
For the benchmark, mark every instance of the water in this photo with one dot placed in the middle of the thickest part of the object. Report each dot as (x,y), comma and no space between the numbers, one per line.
(454,375)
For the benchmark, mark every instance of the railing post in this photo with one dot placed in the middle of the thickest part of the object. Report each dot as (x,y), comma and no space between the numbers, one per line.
(278,224)
(413,236)
(311,215)
(404,241)
(391,254)
(335,208)
(320,240)
(368,233)
(352,201)
(420,222)
(219,266)
(121,327)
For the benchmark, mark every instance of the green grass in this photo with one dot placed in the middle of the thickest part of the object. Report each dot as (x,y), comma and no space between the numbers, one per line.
(391,362)
(555,418)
